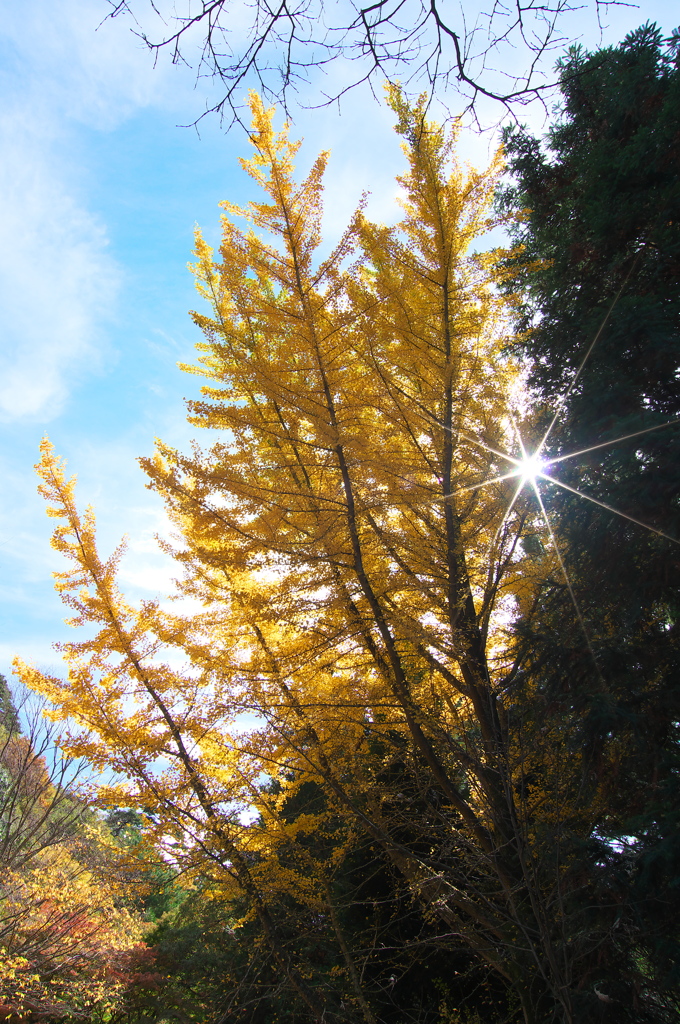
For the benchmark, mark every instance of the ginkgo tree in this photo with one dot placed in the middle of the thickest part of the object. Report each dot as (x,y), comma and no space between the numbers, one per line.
(352,541)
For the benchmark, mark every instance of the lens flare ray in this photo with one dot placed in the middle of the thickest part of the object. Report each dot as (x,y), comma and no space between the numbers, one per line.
(531,467)
(616,440)
(567,580)
(483,483)
(609,508)
(598,334)
(518,491)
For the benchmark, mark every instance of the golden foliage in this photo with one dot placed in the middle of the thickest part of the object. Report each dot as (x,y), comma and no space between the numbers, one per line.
(355,581)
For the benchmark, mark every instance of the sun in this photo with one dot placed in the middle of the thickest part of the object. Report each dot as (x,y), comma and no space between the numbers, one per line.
(531,466)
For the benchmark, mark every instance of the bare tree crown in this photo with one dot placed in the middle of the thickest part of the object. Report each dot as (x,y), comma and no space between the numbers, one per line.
(500,52)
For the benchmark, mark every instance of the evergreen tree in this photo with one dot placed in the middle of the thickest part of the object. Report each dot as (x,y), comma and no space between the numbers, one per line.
(600,324)
(9,718)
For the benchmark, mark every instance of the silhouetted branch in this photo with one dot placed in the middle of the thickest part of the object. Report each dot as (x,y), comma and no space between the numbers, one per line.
(278,45)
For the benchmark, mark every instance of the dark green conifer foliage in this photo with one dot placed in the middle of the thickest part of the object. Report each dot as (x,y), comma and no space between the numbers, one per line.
(602,213)
(9,718)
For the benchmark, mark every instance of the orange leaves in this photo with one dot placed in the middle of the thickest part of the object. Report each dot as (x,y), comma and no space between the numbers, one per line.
(63,922)
(62,936)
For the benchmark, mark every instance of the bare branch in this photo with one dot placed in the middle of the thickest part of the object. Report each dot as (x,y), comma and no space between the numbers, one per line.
(280,46)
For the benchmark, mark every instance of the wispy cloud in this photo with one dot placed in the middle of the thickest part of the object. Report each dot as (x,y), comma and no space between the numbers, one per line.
(66,60)
(57,281)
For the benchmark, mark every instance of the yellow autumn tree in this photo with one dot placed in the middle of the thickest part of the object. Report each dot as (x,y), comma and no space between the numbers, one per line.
(355,581)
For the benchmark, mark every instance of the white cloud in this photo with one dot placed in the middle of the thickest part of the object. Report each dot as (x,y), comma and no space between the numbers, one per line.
(57,282)
(71,62)
(63,71)
(61,67)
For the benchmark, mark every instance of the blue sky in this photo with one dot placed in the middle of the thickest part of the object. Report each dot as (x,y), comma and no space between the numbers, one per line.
(99,193)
